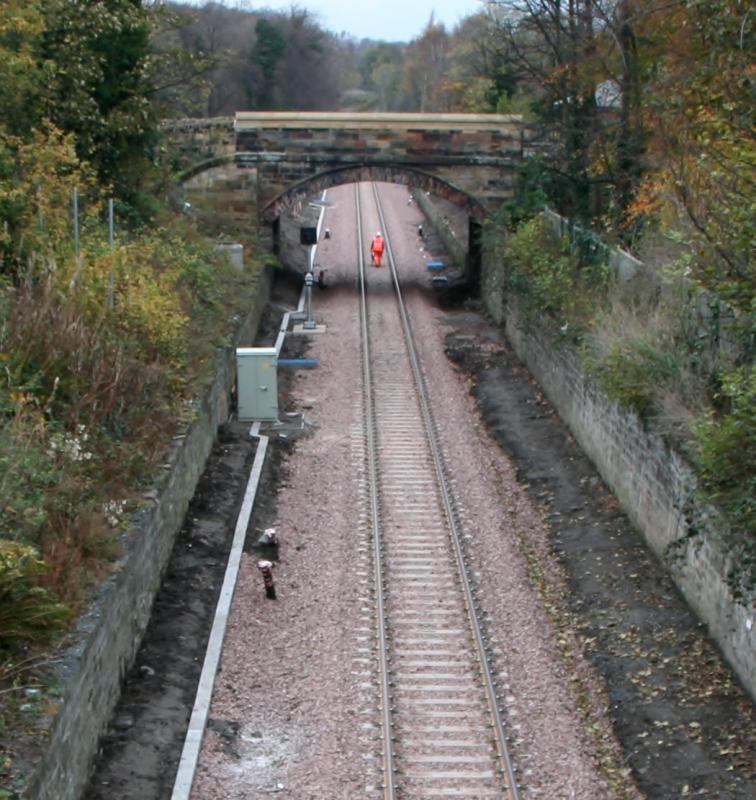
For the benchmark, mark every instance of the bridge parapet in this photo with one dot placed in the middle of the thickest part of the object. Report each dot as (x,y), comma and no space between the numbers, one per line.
(413,136)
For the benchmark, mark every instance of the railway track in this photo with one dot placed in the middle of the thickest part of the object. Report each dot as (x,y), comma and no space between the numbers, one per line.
(442,729)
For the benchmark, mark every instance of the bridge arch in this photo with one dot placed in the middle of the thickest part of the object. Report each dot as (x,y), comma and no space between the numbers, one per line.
(388,173)
(229,185)
(211,163)
(354,173)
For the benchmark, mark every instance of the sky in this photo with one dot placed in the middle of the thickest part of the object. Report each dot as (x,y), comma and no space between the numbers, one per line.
(389,20)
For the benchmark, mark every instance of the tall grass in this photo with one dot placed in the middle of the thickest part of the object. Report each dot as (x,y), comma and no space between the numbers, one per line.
(28,612)
(641,359)
(98,357)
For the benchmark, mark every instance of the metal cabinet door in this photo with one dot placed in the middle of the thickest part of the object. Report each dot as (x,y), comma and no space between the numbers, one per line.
(257,383)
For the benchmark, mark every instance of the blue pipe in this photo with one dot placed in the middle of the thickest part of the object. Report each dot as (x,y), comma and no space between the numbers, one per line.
(304,363)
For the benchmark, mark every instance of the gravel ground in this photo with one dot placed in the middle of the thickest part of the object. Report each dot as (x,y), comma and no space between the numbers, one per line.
(557,759)
(286,703)
(286,708)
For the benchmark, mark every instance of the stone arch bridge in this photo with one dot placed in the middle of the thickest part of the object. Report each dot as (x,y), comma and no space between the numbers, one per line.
(269,163)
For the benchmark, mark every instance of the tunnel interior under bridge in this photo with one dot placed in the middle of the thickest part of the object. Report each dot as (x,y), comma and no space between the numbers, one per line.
(455,218)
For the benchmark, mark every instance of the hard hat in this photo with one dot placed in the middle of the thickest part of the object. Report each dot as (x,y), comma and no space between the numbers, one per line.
(378,234)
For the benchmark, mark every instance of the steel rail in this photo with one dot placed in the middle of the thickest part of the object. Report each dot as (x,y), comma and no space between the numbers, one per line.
(389,786)
(483,651)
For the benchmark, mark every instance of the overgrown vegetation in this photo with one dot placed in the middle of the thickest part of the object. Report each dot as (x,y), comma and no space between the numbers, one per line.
(650,107)
(687,375)
(726,467)
(104,346)
(633,371)
(27,611)
(101,352)
(555,286)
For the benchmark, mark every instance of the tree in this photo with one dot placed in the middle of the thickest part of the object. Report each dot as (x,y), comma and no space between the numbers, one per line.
(481,76)
(309,77)
(552,43)
(425,67)
(631,136)
(380,69)
(99,86)
(261,60)
(191,55)
(703,147)
(37,179)
(267,52)
(21,74)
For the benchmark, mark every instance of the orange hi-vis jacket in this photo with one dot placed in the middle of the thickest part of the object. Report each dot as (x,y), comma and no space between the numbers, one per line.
(376,249)
(377,246)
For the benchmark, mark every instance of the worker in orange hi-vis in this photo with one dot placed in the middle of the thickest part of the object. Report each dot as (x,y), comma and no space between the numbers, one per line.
(376,249)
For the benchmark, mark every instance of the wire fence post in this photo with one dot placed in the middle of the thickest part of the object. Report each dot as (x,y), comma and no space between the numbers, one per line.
(40,212)
(76,219)
(111,242)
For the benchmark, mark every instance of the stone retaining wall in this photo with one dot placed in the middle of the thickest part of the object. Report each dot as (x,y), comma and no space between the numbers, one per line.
(650,481)
(293,255)
(444,225)
(108,637)
(224,196)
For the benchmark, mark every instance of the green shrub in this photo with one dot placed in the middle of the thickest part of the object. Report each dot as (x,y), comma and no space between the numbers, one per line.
(27,474)
(530,197)
(551,283)
(633,372)
(28,612)
(726,465)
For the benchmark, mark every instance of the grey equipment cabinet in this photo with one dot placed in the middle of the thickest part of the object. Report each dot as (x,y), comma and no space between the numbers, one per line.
(257,383)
